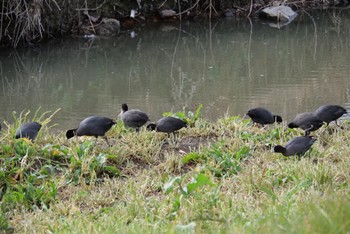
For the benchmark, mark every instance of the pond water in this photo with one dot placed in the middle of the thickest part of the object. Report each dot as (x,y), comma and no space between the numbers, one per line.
(229,66)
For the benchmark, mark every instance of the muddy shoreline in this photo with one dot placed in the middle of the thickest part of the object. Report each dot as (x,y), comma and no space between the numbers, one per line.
(30,22)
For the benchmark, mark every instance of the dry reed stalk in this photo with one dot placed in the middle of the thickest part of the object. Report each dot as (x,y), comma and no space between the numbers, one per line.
(25,17)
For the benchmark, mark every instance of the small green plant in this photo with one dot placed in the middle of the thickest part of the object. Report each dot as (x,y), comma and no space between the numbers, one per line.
(190,118)
(55,152)
(223,162)
(24,147)
(85,165)
(176,186)
(31,195)
(198,181)
(219,159)
(191,157)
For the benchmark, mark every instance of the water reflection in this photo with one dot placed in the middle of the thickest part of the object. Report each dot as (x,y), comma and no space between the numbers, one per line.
(228,66)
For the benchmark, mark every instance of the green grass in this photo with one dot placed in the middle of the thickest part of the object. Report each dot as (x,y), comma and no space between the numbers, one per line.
(218,177)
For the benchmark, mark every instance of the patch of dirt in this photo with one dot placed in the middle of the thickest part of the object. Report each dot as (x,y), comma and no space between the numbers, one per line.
(135,163)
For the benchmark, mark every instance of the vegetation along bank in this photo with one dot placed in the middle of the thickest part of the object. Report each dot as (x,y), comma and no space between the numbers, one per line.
(27,22)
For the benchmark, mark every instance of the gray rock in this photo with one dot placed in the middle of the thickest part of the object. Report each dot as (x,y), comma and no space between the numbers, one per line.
(167,13)
(282,15)
(229,13)
(108,27)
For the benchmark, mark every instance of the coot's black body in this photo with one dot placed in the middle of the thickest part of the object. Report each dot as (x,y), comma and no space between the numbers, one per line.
(167,124)
(329,113)
(296,146)
(263,116)
(28,130)
(306,121)
(92,126)
(133,118)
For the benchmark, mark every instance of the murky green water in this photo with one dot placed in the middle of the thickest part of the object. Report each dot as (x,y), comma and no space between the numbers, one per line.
(228,66)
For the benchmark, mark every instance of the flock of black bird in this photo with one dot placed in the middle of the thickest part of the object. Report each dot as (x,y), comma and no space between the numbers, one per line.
(97,125)
(308,121)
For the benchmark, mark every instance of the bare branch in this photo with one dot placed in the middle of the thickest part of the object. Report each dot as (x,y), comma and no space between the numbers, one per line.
(91,9)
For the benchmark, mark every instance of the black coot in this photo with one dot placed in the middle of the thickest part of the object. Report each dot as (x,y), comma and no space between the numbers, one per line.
(167,124)
(28,130)
(329,113)
(92,126)
(263,116)
(296,146)
(133,118)
(306,121)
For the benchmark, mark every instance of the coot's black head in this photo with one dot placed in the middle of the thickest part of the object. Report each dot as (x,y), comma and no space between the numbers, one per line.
(250,113)
(292,125)
(124,107)
(185,124)
(151,127)
(71,133)
(278,118)
(280,149)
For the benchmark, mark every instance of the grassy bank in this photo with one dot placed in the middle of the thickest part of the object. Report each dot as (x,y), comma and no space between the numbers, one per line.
(217,177)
